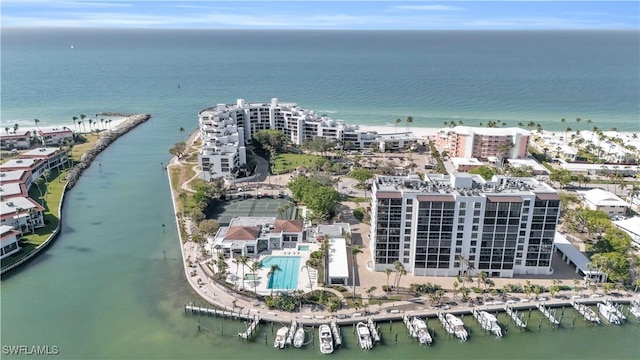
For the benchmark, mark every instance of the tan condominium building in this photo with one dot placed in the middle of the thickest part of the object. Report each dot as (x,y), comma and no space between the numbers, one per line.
(484,143)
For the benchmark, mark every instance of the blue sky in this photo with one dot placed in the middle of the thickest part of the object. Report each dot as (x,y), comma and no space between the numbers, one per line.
(464,15)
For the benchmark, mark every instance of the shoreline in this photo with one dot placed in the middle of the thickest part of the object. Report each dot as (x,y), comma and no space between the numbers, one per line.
(73,175)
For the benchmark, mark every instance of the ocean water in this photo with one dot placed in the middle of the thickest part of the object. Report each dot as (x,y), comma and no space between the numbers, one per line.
(363,77)
(112,285)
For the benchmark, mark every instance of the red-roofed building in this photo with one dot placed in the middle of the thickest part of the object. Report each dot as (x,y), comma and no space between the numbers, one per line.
(8,241)
(54,136)
(15,140)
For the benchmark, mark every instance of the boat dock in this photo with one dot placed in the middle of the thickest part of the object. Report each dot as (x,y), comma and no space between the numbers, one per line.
(487,322)
(409,325)
(586,312)
(550,314)
(292,332)
(513,314)
(337,336)
(250,329)
(219,313)
(618,309)
(451,328)
(375,334)
(634,308)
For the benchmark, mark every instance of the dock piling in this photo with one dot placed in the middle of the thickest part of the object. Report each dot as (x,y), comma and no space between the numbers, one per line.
(397,337)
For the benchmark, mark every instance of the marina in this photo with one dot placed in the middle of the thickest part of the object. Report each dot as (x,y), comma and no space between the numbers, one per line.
(337,336)
(375,334)
(325,339)
(420,331)
(280,340)
(609,313)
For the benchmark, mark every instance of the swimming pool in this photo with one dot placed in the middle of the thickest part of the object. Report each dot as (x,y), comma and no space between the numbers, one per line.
(287,277)
(303,247)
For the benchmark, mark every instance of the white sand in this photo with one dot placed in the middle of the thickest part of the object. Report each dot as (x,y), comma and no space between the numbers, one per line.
(115,122)
(419,131)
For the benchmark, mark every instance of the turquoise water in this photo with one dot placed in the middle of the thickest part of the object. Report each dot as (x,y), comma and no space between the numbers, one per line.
(287,277)
(104,289)
(303,247)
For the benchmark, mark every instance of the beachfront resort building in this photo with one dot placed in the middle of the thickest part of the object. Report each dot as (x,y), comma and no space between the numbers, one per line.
(21,213)
(484,143)
(338,270)
(441,225)
(226,129)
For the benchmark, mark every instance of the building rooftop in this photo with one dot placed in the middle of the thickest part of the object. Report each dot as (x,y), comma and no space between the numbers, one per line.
(19,163)
(338,265)
(579,259)
(495,131)
(242,233)
(334,230)
(457,161)
(12,190)
(40,152)
(288,226)
(535,166)
(600,197)
(10,206)
(461,184)
(12,175)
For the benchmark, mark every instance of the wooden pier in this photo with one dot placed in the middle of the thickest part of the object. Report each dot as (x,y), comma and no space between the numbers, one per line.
(409,325)
(250,330)
(199,310)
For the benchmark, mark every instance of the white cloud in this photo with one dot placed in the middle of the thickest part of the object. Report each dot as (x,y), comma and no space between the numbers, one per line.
(428,7)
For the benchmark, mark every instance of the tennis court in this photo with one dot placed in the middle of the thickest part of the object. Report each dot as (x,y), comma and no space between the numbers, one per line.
(224,211)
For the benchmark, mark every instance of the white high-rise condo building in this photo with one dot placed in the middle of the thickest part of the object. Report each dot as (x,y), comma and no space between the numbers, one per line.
(448,225)
(226,128)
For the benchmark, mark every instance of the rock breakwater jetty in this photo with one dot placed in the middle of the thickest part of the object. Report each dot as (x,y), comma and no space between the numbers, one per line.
(107,138)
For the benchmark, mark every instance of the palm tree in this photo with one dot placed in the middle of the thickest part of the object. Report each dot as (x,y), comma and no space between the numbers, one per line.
(255,266)
(74,119)
(388,272)
(90,124)
(102,123)
(398,121)
(409,122)
(181,132)
(7,129)
(306,266)
(272,273)
(15,127)
(82,117)
(354,252)
(565,133)
(46,175)
(244,260)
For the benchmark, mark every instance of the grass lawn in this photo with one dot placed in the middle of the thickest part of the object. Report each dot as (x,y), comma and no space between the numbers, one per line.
(288,162)
(79,149)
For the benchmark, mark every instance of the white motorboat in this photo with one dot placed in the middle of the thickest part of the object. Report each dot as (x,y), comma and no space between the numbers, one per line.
(587,312)
(458,327)
(298,339)
(489,323)
(609,313)
(364,336)
(281,337)
(421,331)
(326,339)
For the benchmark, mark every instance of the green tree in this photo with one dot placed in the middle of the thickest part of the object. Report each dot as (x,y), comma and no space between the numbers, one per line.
(178,149)
(362,175)
(270,137)
(398,121)
(561,176)
(409,122)
(37,121)
(485,171)
(388,272)
(209,226)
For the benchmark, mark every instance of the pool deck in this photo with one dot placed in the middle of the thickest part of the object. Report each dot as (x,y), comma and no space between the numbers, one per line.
(262,281)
